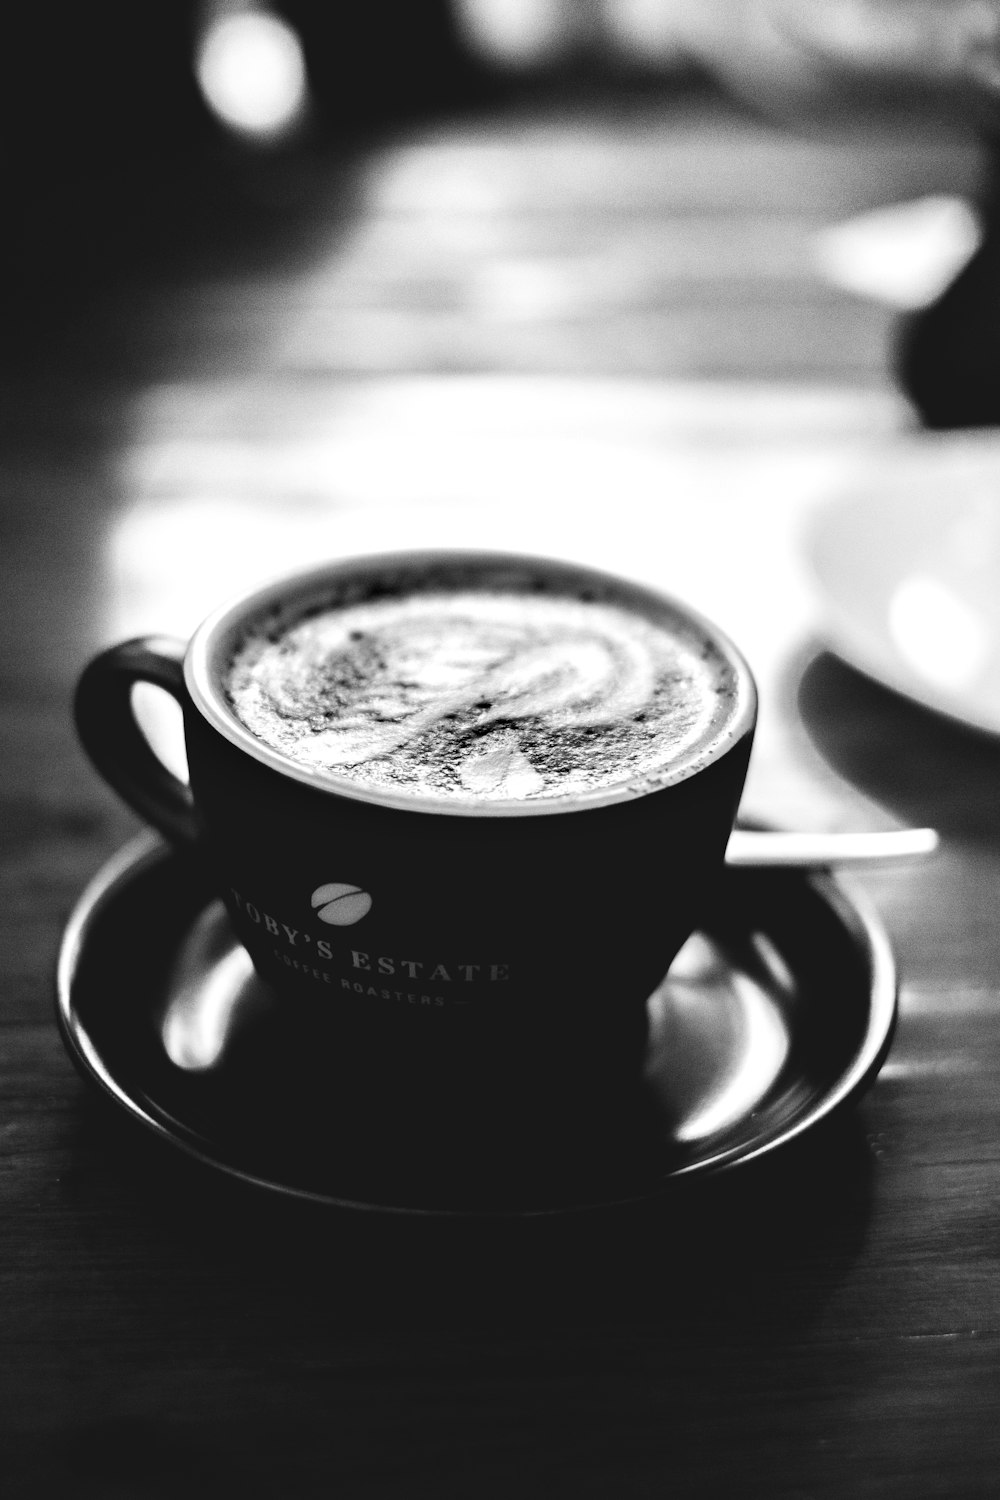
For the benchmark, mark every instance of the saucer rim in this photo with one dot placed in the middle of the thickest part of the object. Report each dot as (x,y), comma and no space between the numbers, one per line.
(851,907)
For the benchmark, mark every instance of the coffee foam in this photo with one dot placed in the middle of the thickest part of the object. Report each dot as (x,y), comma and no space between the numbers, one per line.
(480,693)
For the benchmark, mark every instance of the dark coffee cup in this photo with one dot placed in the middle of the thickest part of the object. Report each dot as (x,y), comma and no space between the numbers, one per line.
(476,944)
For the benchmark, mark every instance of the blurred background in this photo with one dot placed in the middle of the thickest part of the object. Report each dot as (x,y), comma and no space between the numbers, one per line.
(148,136)
(646,282)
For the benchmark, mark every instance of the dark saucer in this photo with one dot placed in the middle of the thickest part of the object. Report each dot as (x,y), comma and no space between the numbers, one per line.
(778,1013)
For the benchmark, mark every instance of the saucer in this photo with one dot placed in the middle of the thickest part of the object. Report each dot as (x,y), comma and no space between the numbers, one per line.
(774,1016)
(908,569)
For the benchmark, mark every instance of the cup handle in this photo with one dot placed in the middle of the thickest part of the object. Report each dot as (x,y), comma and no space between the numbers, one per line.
(115,740)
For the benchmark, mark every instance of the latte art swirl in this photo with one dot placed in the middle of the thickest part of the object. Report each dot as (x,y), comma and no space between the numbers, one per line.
(475,693)
(574,678)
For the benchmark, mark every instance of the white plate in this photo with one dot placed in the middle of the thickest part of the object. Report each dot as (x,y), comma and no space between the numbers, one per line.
(908,567)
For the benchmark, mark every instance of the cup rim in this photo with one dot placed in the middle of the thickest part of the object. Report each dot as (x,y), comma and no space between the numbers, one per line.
(214,638)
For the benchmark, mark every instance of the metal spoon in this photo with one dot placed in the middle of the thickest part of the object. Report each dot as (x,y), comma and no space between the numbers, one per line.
(762,849)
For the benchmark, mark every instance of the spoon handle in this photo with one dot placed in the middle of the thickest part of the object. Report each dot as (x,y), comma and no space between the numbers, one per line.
(751,848)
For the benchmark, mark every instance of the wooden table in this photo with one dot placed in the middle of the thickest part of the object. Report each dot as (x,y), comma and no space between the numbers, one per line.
(588,327)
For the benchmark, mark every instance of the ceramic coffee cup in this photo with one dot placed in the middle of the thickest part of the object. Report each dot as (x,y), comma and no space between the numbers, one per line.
(509,926)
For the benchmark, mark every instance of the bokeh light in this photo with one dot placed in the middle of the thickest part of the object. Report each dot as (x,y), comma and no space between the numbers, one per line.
(516,33)
(251,69)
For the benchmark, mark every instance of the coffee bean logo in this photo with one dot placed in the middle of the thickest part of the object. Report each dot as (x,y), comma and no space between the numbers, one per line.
(340,905)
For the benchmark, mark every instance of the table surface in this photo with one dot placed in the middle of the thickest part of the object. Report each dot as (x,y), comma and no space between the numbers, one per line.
(593,328)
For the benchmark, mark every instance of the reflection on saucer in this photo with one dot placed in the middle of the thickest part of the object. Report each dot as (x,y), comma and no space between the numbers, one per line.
(211,988)
(719,1041)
